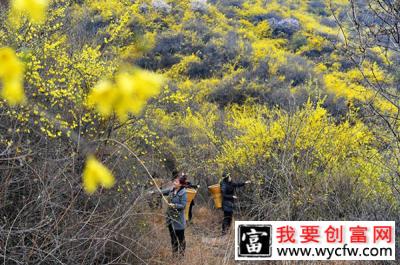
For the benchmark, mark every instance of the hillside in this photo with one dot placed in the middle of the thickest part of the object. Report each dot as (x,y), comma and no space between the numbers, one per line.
(297,96)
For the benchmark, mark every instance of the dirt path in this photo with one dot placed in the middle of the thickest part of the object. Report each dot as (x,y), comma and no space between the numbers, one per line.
(205,245)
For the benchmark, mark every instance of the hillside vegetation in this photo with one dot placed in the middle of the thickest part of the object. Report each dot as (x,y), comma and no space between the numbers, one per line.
(276,91)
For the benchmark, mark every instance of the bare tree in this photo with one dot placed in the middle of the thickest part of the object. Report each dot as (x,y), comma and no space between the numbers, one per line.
(371,32)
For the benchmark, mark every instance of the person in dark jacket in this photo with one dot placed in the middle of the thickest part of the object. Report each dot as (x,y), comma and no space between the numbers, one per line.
(175,215)
(227,189)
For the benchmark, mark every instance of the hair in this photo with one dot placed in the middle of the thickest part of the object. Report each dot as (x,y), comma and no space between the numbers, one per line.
(182,180)
(226,175)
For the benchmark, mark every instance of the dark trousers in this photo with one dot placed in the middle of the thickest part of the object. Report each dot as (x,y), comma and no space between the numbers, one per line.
(177,240)
(226,223)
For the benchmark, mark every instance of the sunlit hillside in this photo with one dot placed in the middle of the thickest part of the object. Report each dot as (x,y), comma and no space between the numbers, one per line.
(100,99)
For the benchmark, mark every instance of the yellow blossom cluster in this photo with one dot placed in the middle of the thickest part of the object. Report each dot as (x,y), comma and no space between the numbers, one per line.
(35,10)
(128,94)
(96,174)
(11,76)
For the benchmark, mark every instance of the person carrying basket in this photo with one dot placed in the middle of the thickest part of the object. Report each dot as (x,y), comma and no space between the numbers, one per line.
(227,189)
(175,215)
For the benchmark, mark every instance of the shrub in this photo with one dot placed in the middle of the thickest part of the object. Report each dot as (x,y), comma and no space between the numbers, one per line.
(85,27)
(297,70)
(225,95)
(163,55)
(297,41)
(201,29)
(271,17)
(168,43)
(231,3)
(317,7)
(328,22)
(337,107)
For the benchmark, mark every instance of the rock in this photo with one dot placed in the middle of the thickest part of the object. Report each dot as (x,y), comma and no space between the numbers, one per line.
(287,26)
(199,5)
(162,6)
(143,8)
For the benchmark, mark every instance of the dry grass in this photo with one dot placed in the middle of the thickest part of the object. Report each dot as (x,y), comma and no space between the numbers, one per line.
(204,244)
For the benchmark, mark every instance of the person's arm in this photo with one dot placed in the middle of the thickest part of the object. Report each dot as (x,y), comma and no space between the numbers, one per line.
(224,195)
(182,202)
(238,184)
(166,191)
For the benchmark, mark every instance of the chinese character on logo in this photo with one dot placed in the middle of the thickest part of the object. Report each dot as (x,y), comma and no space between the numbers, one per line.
(254,240)
(310,233)
(358,234)
(383,233)
(285,234)
(334,234)
(254,237)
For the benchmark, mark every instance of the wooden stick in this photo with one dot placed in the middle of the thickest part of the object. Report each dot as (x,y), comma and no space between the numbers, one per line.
(140,161)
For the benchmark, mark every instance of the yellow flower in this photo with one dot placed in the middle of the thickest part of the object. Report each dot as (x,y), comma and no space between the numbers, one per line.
(129,94)
(128,100)
(125,102)
(96,174)
(10,66)
(13,91)
(11,74)
(147,84)
(35,10)
(103,96)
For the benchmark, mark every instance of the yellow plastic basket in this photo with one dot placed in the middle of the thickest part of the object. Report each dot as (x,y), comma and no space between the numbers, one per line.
(190,193)
(215,191)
